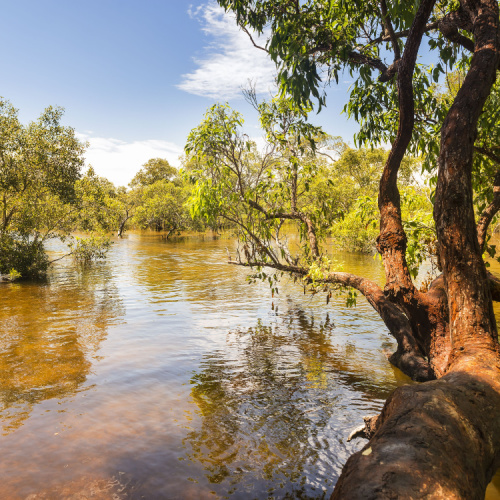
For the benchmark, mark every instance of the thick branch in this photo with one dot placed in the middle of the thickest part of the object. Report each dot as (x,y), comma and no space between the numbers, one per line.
(408,358)
(450,24)
(425,434)
(391,242)
(472,321)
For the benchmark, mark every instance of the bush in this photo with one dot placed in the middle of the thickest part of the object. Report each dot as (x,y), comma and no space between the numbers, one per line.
(92,248)
(21,257)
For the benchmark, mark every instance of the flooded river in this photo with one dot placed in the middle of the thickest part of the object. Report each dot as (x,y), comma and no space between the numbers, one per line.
(162,374)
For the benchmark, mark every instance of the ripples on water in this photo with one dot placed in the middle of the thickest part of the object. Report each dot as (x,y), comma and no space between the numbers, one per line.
(162,374)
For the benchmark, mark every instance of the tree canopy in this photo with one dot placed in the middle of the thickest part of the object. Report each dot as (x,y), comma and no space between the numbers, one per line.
(155,169)
(43,193)
(447,330)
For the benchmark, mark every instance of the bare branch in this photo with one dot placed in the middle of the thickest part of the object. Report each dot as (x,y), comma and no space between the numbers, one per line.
(252,40)
(401,34)
(325,154)
(60,258)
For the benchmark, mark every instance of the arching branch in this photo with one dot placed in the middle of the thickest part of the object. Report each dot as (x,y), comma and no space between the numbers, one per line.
(408,357)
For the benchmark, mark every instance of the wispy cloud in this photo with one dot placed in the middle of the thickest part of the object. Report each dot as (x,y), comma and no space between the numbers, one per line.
(119,161)
(230,61)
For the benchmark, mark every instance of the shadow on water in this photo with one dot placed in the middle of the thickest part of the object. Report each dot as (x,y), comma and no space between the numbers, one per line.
(272,408)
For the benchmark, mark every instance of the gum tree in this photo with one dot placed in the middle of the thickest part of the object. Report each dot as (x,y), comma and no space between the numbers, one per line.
(43,194)
(441,438)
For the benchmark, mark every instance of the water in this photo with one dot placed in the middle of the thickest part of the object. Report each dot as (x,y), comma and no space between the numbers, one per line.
(162,374)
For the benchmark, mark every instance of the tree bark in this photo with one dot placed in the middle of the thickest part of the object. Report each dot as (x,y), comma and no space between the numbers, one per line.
(435,440)
(441,439)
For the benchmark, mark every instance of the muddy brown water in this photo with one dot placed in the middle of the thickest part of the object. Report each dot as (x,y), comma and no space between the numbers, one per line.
(162,374)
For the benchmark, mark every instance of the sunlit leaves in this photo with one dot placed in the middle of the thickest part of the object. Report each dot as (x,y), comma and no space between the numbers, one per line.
(42,192)
(247,188)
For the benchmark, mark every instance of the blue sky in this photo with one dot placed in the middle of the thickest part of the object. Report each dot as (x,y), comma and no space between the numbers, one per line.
(134,76)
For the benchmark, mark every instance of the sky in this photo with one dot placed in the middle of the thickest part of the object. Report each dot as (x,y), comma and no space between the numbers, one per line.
(136,76)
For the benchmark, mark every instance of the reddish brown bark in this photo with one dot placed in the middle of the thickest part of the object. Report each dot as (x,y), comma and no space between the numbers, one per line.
(435,440)
(441,439)
(472,322)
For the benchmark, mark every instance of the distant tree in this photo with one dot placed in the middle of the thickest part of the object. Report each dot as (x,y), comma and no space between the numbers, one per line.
(129,200)
(155,169)
(162,207)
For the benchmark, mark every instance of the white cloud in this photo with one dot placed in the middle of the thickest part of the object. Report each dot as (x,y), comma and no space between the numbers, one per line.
(119,161)
(231,59)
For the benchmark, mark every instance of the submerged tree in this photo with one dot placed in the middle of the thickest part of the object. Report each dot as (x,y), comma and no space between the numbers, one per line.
(42,192)
(158,197)
(162,207)
(439,439)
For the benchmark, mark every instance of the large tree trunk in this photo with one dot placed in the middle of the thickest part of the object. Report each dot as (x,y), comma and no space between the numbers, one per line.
(436,440)
(440,439)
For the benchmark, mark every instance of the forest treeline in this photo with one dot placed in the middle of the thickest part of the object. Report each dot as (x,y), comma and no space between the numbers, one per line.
(47,193)
(300,180)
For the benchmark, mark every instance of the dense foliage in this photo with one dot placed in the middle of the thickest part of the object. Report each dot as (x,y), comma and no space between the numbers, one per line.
(303,182)
(39,166)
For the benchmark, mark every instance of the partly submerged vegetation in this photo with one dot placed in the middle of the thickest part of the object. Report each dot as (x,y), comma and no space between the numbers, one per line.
(45,193)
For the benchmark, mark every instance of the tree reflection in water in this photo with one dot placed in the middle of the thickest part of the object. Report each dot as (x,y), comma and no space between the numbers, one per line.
(270,405)
(48,338)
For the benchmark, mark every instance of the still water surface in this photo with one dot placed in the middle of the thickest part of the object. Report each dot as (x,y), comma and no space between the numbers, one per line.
(162,374)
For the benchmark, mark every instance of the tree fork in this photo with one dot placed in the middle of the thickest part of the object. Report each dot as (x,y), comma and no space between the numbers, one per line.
(441,439)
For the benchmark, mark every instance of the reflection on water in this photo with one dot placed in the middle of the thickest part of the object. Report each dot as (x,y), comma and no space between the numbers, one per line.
(48,335)
(261,429)
(162,374)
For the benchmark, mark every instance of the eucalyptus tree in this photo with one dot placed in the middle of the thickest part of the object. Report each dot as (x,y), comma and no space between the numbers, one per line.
(257,192)
(439,439)
(43,194)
